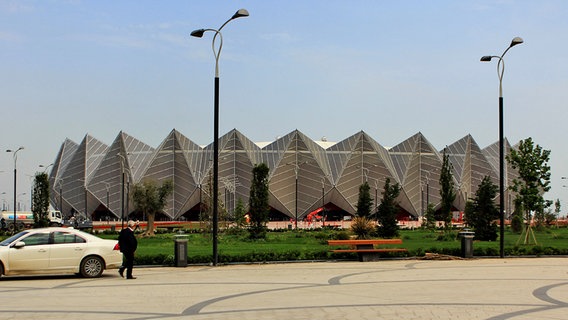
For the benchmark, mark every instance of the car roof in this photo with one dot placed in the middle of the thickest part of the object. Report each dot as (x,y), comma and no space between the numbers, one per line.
(63,229)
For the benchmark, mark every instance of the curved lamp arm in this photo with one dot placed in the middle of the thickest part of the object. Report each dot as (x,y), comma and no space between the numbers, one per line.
(217,52)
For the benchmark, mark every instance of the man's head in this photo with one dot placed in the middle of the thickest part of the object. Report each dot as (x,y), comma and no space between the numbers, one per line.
(131,223)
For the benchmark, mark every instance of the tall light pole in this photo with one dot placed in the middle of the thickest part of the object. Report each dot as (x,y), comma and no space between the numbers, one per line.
(500,72)
(217,52)
(15,156)
(60,181)
(107,184)
(3,202)
(122,165)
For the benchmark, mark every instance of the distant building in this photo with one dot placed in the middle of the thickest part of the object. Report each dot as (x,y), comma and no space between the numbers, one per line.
(88,177)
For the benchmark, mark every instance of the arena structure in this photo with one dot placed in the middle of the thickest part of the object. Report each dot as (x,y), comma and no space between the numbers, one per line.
(92,179)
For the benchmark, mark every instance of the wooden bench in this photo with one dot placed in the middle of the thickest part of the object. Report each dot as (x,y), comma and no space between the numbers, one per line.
(366,248)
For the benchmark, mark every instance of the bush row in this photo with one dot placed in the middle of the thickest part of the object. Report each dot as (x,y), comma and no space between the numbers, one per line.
(296,255)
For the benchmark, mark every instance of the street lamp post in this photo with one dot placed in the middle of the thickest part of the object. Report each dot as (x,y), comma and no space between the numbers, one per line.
(20,203)
(296,198)
(217,52)
(15,156)
(3,202)
(60,180)
(45,167)
(500,72)
(107,185)
(122,165)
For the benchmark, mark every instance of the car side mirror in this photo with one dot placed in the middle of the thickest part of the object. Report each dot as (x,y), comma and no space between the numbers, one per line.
(19,244)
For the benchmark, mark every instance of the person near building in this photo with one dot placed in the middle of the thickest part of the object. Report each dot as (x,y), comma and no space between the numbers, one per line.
(128,245)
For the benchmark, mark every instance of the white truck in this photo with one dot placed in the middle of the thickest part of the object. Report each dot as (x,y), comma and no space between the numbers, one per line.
(25,219)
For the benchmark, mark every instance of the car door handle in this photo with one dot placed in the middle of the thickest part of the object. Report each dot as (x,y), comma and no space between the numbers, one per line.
(78,249)
(42,250)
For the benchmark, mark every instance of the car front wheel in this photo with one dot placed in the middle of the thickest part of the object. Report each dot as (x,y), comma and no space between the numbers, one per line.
(92,267)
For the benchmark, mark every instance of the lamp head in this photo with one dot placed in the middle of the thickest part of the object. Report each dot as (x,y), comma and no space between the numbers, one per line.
(242,13)
(486,58)
(516,41)
(10,150)
(198,33)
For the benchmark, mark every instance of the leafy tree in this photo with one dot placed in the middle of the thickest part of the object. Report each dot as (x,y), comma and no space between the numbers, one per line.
(469,212)
(258,201)
(517,220)
(150,198)
(240,213)
(549,218)
(430,217)
(40,198)
(365,203)
(531,161)
(447,192)
(387,211)
(206,216)
(483,212)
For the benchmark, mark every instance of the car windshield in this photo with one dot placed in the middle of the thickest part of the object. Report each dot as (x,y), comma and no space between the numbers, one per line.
(12,238)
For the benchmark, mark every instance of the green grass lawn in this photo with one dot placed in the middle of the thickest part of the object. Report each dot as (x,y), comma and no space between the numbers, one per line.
(312,245)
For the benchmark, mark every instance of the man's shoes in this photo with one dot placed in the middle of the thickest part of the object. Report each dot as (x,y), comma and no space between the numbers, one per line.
(121,271)
(131,278)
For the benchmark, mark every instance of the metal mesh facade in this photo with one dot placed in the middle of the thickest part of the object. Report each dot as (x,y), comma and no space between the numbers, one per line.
(304,174)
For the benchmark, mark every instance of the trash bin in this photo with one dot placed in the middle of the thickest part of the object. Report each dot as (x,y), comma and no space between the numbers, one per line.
(466,236)
(180,250)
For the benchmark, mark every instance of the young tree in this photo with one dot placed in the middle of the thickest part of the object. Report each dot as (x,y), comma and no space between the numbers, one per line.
(365,203)
(531,161)
(362,226)
(150,199)
(40,205)
(387,211)
(240,213)
(258,201)
(517,219)
(430,222)
(483,212)
(557,207)
(447,192)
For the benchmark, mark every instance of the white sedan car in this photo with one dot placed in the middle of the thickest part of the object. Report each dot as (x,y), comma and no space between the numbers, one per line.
(57,251)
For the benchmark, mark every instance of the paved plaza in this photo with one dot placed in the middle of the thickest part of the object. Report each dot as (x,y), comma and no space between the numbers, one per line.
(511,288)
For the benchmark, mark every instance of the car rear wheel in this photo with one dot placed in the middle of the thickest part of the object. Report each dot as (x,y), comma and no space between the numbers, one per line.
(92,267)
(1,269)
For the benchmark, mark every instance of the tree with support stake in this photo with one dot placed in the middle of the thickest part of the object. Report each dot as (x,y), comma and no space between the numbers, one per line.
(531,161)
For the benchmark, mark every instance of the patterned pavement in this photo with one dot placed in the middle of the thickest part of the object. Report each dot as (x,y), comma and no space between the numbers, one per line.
(496,289)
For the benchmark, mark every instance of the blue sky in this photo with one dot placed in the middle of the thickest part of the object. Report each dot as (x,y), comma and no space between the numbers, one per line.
(327,68)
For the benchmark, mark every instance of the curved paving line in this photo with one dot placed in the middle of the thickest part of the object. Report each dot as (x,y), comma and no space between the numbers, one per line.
(93,312)
(196,308)
(541,294)
(339,306)
(520,313)
(337,279)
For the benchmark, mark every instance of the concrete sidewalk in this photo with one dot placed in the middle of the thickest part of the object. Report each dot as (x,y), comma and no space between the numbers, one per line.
(515,288)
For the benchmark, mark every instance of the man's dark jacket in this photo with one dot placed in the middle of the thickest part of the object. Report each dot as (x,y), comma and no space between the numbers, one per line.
(127,241)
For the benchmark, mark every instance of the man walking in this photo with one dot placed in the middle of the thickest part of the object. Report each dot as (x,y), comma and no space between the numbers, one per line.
(128,244)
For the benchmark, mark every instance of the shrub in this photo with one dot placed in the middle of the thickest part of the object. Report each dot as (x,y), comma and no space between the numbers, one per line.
(341,235)
(362,227)
(446,236)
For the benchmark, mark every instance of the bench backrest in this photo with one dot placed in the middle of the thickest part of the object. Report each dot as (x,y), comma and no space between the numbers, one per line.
(363,242)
